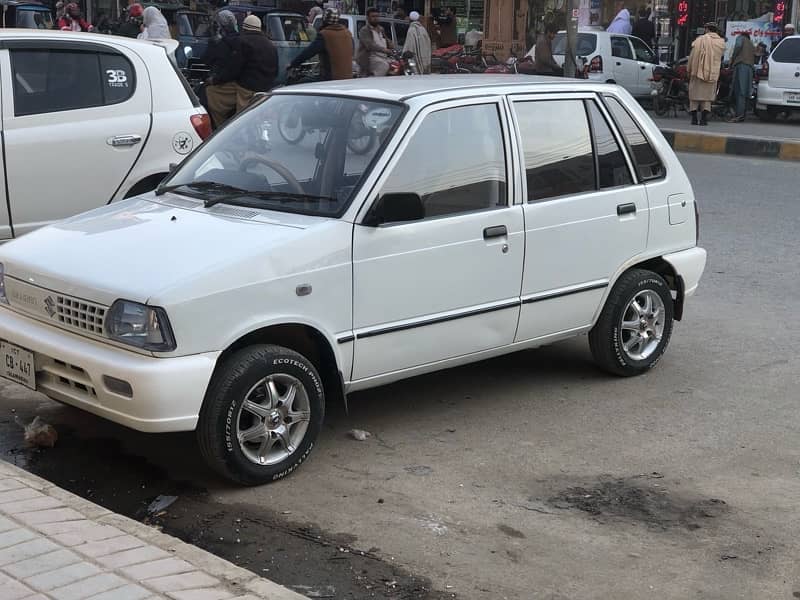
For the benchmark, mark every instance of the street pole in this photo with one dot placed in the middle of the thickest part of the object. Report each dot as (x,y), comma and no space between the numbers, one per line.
(573,12)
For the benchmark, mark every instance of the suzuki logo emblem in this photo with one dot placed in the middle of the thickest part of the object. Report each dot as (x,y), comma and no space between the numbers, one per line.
(50,306)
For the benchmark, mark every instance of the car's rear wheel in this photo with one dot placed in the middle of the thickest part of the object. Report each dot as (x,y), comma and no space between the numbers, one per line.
(768,115)
(261,415)
(635,326)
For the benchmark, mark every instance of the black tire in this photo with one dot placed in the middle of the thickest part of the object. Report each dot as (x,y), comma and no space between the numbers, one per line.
(606,339)
(768,115)
(221,416)
(660,105)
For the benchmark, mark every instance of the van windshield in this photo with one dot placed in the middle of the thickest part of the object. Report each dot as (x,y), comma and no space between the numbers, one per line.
(587,43)
(291,152)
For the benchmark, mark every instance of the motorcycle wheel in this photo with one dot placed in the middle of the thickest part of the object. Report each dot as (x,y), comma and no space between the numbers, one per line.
(290,126)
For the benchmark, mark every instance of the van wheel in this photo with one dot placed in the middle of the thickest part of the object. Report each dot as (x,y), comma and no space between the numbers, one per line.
(261,415)
(635,325)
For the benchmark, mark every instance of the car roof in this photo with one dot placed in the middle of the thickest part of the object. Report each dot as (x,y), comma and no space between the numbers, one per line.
(53,35)
(455,86)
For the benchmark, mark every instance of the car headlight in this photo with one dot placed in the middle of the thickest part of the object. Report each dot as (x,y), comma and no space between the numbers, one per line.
(145,327)
(3,299)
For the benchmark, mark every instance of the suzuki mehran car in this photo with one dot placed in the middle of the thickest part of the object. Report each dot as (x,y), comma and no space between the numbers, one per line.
(493,214)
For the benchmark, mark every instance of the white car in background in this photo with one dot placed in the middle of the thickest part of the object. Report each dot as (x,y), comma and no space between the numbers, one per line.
(612,58)
(87,119)
(779,82)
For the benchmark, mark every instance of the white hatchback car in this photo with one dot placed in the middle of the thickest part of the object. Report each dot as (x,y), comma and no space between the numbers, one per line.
(612,58)
(496,213)
(87,119)
(779,82)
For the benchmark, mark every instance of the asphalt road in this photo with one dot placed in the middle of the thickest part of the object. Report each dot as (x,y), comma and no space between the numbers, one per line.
(532,475)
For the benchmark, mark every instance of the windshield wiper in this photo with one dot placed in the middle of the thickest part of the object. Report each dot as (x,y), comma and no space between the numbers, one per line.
(279,196)
(202,186)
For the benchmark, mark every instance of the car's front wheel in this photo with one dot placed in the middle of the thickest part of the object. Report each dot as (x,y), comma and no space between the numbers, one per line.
(261,415)
(635,325)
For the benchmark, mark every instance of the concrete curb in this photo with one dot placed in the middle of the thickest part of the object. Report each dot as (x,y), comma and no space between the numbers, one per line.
(238,580)
(713,143)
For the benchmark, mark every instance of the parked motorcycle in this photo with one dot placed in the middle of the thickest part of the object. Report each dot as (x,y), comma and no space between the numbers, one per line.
(670,90)
(403,63)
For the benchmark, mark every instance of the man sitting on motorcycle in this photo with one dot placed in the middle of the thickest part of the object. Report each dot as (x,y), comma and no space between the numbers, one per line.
(374,48)
(224,57)
(334,45)
(73,20)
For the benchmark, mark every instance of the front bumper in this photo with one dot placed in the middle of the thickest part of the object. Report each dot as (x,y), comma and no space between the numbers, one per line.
(167,393)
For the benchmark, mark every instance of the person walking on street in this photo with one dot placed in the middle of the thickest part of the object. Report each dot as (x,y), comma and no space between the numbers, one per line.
(622,21)
(374,48)
(259,62)
(743,61)
(644,28)
(224,57)
(418,42)
(334,45)
(703,72)
(544,63)
(448,28)
(155,25)
(315,11)
(73,20)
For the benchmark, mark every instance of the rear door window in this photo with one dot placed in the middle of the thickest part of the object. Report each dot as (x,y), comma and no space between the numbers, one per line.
(620,47)
(557,148)
(56,80)
(788,51)
(648,164)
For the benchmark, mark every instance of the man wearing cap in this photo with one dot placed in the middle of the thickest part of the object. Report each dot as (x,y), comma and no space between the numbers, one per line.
(703,71)
(334,45)
(259,62)
(788,30)
(418,42)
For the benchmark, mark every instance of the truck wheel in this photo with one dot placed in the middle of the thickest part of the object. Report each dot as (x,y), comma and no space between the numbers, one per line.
(261,415)
(635,325)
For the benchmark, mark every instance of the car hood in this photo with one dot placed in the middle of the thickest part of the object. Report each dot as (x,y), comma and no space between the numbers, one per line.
(142,247)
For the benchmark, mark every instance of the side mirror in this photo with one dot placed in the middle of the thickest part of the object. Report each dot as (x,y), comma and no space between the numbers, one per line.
(395,208)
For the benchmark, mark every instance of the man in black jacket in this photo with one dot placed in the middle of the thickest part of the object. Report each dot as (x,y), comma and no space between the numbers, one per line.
(644,28)
(224,57)
(259,62)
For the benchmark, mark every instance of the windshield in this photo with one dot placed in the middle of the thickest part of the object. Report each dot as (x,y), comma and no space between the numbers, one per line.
(34,19)
(194,25)
(287,28)
(587,43)
(291,152)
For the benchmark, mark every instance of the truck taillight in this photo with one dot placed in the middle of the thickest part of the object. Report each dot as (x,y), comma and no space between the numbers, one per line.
(202,125)
(596,65)
(763,72)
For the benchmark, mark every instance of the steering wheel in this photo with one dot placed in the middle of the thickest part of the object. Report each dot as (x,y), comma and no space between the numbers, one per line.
(279,169)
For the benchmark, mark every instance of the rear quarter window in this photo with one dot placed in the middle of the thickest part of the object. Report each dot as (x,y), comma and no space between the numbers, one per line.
(788,51)
(648,163)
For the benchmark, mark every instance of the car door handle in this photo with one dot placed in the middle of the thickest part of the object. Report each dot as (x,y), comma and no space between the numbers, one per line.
(626,209)
(642,67)
(619,64)
(495,232)
(124,140)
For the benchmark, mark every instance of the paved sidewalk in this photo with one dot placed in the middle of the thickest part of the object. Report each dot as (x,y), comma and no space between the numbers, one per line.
(779,140)
(57,546)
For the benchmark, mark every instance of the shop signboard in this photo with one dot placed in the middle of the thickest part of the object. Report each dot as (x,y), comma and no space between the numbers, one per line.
(760,31)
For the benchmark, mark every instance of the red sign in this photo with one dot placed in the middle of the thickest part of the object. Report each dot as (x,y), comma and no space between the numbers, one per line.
(779,12)
(683,12)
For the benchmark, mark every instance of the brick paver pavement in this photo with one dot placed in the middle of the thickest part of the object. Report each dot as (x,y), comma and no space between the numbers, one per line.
(57,546)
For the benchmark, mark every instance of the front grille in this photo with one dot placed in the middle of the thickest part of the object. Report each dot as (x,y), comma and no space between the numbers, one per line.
(80,314)
(58,376)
